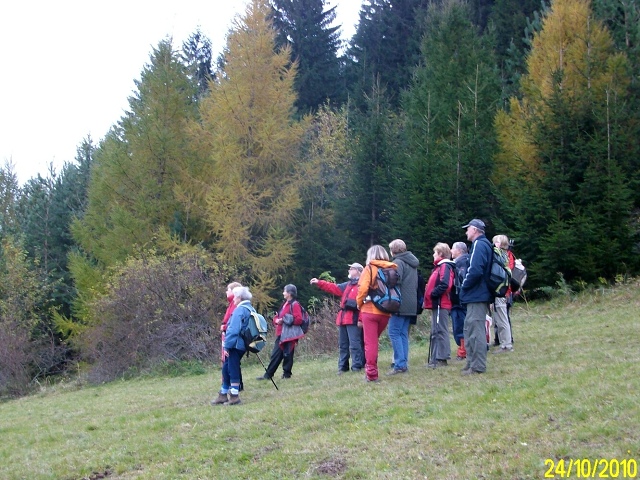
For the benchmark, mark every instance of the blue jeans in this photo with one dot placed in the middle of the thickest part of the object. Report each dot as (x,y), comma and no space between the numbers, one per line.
(399,336)
(231,369)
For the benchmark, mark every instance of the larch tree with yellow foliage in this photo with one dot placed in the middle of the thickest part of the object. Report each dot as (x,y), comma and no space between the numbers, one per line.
(561,160)
(249,143)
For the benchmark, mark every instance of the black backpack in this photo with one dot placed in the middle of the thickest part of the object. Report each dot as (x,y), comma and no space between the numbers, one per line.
(499,274)
(459,271)
(422,286)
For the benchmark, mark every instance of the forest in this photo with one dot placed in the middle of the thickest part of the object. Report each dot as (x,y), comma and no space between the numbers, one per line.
(289,153)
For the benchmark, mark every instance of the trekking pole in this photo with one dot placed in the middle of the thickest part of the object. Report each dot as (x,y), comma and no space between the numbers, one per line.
(431,338)
(265,371)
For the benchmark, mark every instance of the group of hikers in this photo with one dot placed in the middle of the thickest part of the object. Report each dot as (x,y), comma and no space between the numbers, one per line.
(457,289)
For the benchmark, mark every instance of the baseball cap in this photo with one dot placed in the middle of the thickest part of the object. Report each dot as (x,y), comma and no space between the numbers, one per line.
(477,223)
(357,266)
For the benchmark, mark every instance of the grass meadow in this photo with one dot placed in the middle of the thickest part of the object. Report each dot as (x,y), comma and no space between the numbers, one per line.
(570,391)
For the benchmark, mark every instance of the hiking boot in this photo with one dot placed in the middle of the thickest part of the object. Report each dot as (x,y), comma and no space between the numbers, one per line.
(503,350)
(469,372)
(263,377)
(371,380)
(233,400)
(441,363)
(285,376)
(395,371)
(222,398)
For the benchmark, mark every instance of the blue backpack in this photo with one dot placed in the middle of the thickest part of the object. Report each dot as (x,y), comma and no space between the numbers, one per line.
(384,293)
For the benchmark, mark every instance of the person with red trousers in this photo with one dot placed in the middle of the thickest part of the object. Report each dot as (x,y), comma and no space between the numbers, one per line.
(374,320)
(349,325)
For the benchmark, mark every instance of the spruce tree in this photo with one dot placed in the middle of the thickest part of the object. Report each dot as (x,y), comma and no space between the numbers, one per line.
(561,144)
(385,48)
(305,26)
(450,136)
(138,164)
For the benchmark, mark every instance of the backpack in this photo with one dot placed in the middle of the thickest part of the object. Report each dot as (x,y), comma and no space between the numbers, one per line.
(499,277)
(254,333)
(518,276)
(385,294)
(459,271)
(422,286)
(306,319)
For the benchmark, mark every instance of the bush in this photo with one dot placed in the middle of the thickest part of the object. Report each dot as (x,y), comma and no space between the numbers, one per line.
(156,309)
(322,337)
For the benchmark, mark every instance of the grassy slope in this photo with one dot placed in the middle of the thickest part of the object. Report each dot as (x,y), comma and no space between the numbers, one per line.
(570,390)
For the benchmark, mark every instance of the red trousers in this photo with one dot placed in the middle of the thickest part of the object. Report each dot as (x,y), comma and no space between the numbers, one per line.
(373,325)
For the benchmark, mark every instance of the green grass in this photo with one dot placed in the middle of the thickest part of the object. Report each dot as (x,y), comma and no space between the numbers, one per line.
(570,390)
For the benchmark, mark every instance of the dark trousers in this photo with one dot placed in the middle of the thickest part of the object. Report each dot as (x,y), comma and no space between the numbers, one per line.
(282,355)
(350,345)
(458,312)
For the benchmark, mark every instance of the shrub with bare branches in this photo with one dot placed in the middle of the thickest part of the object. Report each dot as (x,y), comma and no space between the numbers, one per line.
(322,337)
(156,309)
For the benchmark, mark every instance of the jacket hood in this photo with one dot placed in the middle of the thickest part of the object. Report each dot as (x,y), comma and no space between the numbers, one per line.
(383,264)
(408,258)
(444,260)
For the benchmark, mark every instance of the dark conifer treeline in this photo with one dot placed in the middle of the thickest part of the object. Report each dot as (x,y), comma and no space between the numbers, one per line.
(291,158)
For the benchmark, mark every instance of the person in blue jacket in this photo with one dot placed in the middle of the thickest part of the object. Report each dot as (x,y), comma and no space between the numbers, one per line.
(234,349)
(476,296)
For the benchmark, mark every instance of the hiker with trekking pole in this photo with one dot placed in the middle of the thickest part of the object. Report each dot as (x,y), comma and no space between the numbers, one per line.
(234,349)
(437,298)
(288,323)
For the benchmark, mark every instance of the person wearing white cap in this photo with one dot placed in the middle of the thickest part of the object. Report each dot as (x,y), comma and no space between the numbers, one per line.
(350,342)
(475,294)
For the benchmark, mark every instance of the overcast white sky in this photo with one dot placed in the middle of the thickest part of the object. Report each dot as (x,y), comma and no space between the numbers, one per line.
(68,66)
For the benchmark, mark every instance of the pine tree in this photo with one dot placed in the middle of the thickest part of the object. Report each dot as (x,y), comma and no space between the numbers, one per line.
(248,187)
(305,26)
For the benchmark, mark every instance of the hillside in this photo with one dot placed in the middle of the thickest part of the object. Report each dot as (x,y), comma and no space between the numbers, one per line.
(569,391)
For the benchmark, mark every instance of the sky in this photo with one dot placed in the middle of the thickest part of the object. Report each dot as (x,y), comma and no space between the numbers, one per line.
(68,67)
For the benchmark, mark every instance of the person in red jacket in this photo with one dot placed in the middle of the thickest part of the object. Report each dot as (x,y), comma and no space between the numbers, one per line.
(349,326)
(374,320)
(227,315)
(437,299)
(287,322)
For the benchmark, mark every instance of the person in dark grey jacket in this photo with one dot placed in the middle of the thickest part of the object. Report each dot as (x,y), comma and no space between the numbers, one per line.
(475,294)
(399,322)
